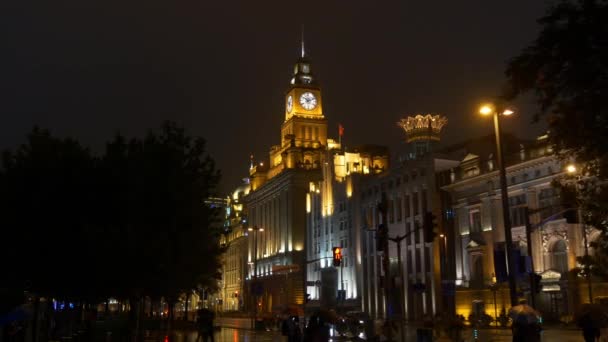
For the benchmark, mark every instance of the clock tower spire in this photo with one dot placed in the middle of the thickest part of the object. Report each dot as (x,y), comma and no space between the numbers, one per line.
(303,54)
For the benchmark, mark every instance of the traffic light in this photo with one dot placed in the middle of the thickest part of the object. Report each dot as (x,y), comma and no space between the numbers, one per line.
(381,237)
(428,227)
(337,256)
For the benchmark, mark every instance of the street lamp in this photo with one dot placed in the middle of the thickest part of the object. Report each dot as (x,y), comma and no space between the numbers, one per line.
(254,285)
(572,170)
(491,109)
(494,288)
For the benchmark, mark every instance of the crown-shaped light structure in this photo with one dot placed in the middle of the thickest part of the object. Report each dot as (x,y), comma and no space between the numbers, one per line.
(423,127)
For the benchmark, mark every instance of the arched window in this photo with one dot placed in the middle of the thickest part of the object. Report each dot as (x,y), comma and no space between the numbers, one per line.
(559,256)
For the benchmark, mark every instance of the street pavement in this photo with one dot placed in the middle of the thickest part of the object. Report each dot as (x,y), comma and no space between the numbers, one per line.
(486,335)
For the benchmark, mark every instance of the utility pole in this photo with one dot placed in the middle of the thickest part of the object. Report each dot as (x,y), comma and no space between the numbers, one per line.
(506,214)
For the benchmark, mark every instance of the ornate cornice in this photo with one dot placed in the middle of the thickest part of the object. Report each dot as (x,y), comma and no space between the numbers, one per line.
(423,127)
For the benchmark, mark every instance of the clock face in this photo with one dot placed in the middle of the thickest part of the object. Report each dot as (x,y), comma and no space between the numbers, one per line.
(308,101)
(289,104)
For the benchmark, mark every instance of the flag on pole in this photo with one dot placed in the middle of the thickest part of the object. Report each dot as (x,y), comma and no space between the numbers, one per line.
(340,130)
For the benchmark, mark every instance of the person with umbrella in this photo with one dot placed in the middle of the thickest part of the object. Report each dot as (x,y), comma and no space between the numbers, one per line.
(591,318)
(526,323)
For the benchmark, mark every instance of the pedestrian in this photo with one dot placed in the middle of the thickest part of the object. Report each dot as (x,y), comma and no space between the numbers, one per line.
(205,325)
(526,332)
(294,334)
(590,331)
(317,330)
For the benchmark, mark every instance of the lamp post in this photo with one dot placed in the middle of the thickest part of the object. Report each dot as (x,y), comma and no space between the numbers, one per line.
(494,288)
(572,170)
(492,110)
(254,285)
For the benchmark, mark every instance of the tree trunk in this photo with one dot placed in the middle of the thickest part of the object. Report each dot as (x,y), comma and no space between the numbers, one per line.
(186,308)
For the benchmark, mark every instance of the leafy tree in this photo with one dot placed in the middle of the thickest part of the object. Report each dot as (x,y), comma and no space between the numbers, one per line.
(155,190)
(129,223)
(567,69)
(47,207)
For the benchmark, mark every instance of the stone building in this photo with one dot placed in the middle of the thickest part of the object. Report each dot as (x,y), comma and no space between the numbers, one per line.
(234,260)
(411,191)
(475,204)
(331,207)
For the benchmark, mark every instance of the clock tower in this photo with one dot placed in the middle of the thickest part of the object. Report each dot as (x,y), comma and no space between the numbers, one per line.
(304,125)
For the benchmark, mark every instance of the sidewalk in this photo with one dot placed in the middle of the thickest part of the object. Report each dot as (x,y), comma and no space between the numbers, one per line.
(503,335)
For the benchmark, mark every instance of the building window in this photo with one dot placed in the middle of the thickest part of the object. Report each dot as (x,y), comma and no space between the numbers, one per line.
(559,256)
(407,206)
(424,201)
(517,206)
(398,207)
(549,202)
(477,271)
(474,220)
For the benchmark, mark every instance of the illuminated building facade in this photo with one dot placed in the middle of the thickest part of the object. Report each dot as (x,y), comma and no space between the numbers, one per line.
(331,207)
(234,260)
(411,191)
(277,200)
(478,232)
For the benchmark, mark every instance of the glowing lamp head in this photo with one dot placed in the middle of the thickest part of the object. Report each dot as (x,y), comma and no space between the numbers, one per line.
(260,229)
(571,168)
(508,112)
(250,229)
(486,109)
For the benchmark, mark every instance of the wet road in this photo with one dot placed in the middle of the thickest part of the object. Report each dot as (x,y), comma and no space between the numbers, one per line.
(224,335)
(244,335)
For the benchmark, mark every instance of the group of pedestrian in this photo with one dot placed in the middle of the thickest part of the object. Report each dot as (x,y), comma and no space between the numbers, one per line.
(317,329)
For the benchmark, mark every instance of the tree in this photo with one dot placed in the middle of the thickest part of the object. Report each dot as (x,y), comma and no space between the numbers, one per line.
(567,69)
(47,211)
(129,223)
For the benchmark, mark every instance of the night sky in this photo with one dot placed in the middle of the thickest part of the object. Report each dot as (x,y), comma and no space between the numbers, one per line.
(90,69)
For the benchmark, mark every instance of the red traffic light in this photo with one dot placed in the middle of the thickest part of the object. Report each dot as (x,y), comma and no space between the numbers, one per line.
(337,253)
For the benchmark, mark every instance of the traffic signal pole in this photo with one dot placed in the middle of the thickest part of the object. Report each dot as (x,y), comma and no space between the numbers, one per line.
(398,240)
(382,207)
(533,284)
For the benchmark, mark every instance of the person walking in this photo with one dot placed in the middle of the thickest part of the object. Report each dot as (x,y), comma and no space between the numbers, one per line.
(205,325)
(294,334)
(591,333)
